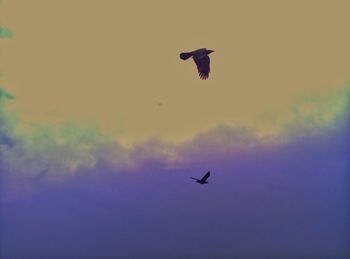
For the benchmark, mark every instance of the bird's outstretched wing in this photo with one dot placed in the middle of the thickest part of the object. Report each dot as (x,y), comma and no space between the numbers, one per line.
(203,66)
(205,177)
(195,179)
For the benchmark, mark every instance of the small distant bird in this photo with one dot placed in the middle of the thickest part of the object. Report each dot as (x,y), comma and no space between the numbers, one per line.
(204,178)
(158,103)
(202,60)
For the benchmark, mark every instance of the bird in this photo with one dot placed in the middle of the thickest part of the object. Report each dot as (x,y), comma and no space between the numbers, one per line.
(159,103)
(202,60)
(204,178)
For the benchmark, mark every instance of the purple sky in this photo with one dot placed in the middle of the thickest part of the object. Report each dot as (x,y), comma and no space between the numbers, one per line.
(290,200)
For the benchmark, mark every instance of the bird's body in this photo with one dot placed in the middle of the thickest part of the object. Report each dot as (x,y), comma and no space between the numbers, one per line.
(202,60)
(203,180)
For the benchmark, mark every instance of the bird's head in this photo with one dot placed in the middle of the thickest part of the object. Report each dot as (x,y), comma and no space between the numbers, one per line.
(209,51)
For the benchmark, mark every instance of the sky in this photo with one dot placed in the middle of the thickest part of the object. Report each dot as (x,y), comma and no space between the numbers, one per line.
(92,166)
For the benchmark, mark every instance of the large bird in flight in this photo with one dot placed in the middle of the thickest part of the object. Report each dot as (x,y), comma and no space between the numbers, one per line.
(202,60)
(204,178)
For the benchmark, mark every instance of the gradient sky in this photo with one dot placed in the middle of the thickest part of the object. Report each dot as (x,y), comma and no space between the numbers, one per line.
(93,167)
(112,61)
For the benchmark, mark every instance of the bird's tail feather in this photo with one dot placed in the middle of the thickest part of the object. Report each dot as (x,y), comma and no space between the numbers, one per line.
(185,55)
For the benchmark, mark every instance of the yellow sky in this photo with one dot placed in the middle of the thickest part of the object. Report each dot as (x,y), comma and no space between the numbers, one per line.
(112,61)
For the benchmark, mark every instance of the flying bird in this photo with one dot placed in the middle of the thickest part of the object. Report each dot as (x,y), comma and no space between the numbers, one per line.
(204,178)
(202,60)
(159,103)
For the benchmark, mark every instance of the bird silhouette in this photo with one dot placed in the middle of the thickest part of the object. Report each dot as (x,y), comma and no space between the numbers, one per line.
(202,60)
(204,178)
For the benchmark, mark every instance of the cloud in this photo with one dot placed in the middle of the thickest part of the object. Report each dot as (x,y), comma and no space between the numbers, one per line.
(69,148)
(6,120)
(319,111)
(5,33)
(28,149)
(64,149)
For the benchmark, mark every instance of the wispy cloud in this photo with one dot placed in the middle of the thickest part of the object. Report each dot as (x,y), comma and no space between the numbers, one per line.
(5,32)
(67,148)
